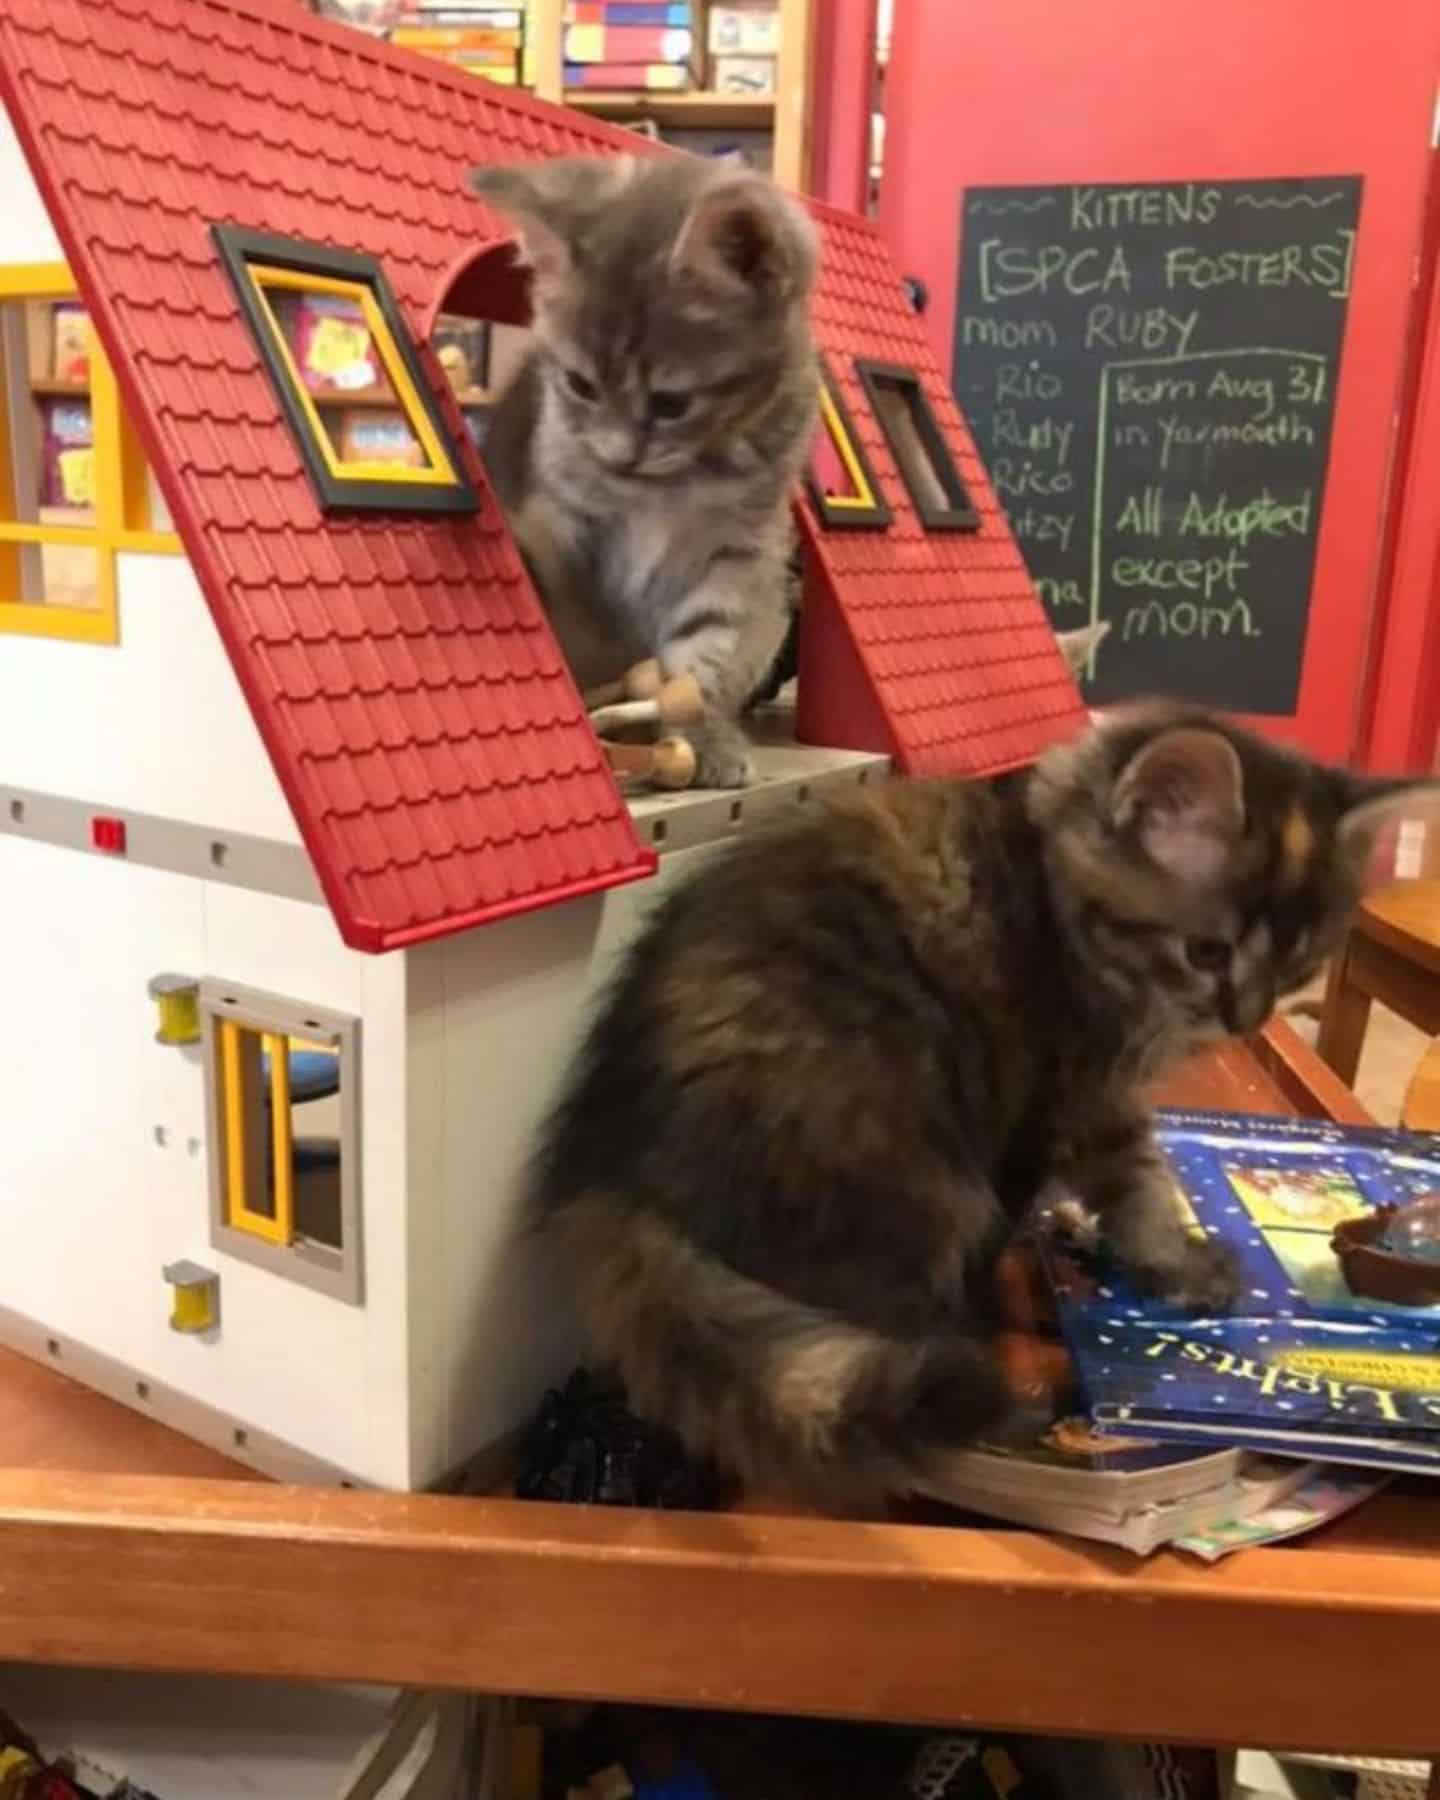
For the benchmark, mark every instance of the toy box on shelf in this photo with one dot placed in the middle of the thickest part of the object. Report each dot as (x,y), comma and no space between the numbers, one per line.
(312,858)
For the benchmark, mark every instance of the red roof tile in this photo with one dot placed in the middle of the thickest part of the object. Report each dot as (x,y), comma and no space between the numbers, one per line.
(405,664)
(378,656)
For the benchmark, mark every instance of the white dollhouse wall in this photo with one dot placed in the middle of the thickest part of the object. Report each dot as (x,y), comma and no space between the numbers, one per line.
(103,1134)
(494,1018)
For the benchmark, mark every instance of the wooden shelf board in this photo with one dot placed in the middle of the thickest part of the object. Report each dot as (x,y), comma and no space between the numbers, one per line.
(796,1615)
(676,112)
(381,398)
(47,389)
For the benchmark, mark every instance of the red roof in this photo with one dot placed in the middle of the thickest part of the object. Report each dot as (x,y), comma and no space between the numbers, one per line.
(424,728)
(930,645)
(418,713)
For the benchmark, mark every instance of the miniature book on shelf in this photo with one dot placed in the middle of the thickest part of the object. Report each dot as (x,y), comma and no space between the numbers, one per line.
(1333,1348)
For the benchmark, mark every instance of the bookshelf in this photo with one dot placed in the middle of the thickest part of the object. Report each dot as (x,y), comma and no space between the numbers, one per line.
(680,112)
(783,116)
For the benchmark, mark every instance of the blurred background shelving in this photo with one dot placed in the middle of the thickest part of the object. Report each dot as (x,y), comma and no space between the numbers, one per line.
(705,75)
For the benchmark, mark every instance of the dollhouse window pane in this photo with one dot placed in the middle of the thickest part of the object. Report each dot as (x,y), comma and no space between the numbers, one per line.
(68,575)
(47,452)
(50,436)
(284,1162)
(340,364)
(918,445)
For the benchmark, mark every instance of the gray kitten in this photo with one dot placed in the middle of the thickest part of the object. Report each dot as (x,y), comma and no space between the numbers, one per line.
(646,453)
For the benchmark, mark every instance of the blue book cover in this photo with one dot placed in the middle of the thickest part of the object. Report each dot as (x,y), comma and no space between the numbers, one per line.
(671,14)
(1311,1362)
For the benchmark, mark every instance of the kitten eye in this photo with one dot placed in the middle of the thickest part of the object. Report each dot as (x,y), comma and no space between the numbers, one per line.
(580,385)
(1210,955)
(666,405)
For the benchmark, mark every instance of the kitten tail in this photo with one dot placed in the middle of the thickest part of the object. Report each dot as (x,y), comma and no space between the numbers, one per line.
(787,1397)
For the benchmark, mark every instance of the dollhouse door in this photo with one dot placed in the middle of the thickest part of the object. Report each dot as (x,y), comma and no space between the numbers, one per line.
(1170,255)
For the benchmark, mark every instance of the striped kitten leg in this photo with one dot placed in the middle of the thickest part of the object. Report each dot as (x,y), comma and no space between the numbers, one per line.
(1120,1173)
(726,632)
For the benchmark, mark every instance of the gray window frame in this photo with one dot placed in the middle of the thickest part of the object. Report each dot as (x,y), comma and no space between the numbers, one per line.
(338,1273)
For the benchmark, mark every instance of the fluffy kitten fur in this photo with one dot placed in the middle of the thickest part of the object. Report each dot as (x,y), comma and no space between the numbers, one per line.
(647,450)
(841,1063)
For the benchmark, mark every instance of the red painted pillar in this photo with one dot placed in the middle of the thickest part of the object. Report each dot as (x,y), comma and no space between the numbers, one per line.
(844,98)
(1402,710)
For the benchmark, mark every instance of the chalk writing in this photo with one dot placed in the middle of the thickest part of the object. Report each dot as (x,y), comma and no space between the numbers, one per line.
(1149,370)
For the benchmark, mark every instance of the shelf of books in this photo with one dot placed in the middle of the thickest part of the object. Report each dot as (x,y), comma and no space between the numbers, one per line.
(706,75)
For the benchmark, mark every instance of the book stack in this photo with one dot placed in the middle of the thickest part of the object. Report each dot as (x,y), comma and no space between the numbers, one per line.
(744,45)
(630,46)
(474,35)
(1138,1494)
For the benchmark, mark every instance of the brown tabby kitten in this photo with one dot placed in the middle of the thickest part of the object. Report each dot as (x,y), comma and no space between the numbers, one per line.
(841,1063)
(647,451)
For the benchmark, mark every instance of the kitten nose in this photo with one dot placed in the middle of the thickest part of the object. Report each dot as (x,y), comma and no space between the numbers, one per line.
(618,450)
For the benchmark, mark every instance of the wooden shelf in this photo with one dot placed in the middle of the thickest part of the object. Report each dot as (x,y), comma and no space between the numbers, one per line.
(47,389)
(677,112)
(382,397)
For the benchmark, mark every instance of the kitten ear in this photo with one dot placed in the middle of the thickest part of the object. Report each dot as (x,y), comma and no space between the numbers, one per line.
(1373,809)
(1078,646)
(535,197)
(744,236)
(552,202)
(1183,794)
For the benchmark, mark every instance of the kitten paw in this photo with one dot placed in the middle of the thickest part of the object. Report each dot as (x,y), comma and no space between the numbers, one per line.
(722,760)
(1205,1277)
(1071,1222)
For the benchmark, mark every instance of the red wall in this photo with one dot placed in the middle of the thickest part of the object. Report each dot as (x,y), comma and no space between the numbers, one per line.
(1015,91)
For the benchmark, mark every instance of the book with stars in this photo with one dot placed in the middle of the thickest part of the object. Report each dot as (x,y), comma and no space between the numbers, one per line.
(1332,1349)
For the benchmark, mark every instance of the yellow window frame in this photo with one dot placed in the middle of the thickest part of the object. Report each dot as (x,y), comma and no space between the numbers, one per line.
(866,506)
(121,498)
(440,470)
(241,1075)
(863,499)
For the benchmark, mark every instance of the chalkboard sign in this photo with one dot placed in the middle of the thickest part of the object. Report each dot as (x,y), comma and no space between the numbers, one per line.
(1149,373)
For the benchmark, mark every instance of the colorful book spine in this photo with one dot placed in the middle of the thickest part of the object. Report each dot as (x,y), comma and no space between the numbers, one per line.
(409,37)
(651,78)
(446,12)
(626,44)
(666,14)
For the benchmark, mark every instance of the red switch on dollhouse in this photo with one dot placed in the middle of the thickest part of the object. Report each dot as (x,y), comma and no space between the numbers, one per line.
(108,834)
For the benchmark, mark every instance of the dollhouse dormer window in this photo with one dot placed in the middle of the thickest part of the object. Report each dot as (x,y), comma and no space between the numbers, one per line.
(922,456)
(347,375)
(842,485)
(74,485)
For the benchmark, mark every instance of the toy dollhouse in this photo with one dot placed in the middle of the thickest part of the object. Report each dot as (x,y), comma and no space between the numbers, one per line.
(309,855)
